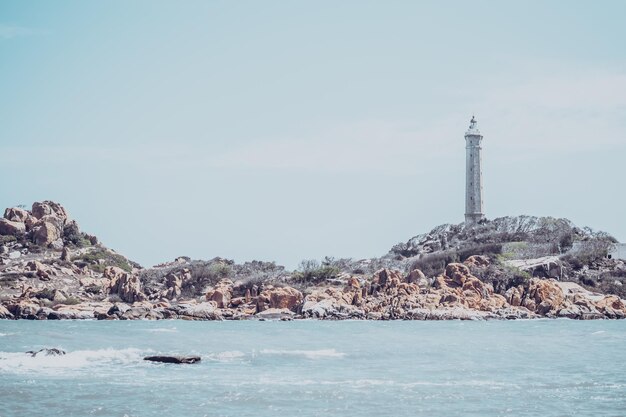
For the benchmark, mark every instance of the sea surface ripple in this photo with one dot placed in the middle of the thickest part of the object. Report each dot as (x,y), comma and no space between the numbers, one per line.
(315,368)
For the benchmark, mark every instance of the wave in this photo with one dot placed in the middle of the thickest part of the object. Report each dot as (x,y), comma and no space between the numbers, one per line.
(19,362)
(308,354)
(164,330)
(227,356)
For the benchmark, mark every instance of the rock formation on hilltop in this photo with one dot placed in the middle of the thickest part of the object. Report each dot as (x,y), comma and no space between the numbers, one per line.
(512,267)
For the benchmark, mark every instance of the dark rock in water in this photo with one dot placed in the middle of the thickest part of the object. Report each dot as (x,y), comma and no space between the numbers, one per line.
(173,359)
(47,352)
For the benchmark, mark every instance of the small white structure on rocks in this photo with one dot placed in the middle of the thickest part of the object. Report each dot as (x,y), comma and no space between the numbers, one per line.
(473,175)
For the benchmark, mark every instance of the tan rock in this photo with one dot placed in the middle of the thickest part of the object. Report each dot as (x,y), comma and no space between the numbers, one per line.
(386,278)
(514,296)
(4,313)
(477,261)
(285,297)
(16,214)
(456,274)
(221,294)
(41,209)
(46,232)
(65,255)
(546,294)
(44,272)
(612,306)
(11,228)
(124,284)
(416,276)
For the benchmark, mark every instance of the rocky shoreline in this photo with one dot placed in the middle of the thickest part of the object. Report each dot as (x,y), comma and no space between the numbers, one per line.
(49,270)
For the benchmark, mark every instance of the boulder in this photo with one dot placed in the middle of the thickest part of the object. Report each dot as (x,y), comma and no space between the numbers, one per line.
(46,352)
(275,314)
(386,278)
(23,309)
(221,294)
(65,255)
(43,271)
(612,307)
(124,284)
(16,214)
(174,282)
(46,232)
(416,276)
(173,359)
(514,296)
(205,311)
(284,297)
(118,309)
(45,208)
(4,313)
(456,274)
(546,294)
(477,261)
(11,228)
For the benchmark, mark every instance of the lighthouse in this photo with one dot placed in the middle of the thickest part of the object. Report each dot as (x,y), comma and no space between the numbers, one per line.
(473,175)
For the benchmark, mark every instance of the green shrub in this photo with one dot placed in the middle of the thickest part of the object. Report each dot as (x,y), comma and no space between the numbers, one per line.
(311,271)
(434,264)
(7,239)
(100,258)
(70,301)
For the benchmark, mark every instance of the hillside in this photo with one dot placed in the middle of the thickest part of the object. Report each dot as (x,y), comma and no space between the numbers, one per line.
(511,267)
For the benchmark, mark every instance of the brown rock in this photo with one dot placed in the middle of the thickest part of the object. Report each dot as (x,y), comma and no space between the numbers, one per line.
(546,294)
(285,297)
(456,274)
(124,284)
(11,228)
(16,214)
(44,208)
(477,261)
(416,277)
(46,233)
(221,294)
(65,255)
(514,296)
(44,272)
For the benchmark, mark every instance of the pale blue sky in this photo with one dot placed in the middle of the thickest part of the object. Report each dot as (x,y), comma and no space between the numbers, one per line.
(284,130)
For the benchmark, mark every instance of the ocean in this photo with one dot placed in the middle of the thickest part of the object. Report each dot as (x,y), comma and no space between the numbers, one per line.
(315,368)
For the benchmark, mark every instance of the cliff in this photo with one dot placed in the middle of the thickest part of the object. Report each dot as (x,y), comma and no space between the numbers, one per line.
(512,267)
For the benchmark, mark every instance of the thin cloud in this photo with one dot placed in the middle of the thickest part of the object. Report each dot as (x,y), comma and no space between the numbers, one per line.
(8,31)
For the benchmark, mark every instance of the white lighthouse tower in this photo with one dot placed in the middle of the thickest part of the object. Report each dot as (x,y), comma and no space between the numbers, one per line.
(473,175)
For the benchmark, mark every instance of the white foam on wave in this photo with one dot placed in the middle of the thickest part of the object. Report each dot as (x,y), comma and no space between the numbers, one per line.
(164,330)
(19,362)
(227,356)
(362,383)
(308,354)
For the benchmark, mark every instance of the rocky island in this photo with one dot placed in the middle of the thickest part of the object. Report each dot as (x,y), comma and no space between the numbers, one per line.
(508,268)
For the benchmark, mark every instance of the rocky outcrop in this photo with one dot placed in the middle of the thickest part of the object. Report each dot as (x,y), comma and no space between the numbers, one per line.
(50,272)
(48,208)
(173,359)
(174,282)
(46,352)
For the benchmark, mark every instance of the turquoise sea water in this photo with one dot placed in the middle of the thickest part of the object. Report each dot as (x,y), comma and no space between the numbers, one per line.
(315,368)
